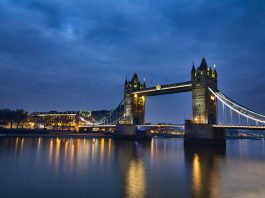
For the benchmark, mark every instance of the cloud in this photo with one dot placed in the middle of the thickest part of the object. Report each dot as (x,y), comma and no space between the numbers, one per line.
(82,51)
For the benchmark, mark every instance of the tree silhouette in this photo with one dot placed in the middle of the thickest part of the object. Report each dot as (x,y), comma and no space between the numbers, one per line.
(11,116)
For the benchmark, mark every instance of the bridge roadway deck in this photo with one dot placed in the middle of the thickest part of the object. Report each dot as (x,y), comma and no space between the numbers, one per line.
(250,127)
(145,125)
(166,89)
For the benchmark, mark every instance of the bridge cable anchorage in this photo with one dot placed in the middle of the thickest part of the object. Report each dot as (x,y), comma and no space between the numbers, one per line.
(114,116)
(249,114)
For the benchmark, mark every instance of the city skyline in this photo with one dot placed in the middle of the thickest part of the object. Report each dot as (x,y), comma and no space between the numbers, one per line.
(77,55)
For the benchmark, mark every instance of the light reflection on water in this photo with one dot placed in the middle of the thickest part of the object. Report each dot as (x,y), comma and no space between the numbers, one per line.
(196,174)
(135,180)
(52,167)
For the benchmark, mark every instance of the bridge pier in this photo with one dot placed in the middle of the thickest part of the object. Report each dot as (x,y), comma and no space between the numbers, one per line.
(130,132)
(203,134)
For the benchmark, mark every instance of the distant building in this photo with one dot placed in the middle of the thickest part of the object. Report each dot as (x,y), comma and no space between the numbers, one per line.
(53,120)
(67,120)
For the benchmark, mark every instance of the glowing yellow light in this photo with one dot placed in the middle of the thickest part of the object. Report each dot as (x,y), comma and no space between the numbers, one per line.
(102,144)
(136,179)
(158,87)
(212,98)
(50,150)
(135,95)
(196,174)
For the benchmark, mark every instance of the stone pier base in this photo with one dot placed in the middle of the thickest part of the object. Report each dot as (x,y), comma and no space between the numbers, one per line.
(129,132)
(204,134)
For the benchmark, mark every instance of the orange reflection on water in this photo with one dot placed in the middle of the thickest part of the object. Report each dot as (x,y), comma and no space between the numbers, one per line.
(22,145)
(136,180)
(72,152)
(109,148)
(77,152)
(19,145)
(152,150)
(102,144)
(196,174)
(39,144)
(16,145)
(65,149)
(57,150)
(50,151)
(94,149)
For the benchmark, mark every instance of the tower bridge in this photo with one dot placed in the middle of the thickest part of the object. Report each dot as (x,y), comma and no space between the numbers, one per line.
(204,103)
(205,96)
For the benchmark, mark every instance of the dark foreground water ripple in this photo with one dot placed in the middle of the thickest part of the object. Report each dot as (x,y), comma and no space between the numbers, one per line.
(47,167)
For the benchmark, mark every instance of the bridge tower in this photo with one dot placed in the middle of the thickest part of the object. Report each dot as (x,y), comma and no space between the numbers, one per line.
(134,104)
(204,103)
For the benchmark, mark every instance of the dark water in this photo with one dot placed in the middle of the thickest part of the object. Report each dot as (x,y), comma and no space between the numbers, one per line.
(43,167)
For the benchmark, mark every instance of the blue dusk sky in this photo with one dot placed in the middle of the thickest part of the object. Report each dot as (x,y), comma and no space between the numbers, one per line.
(75,54)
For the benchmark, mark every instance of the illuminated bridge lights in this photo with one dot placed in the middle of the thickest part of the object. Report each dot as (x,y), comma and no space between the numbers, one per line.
(243,108)
(238,108)
(172,87)
(239,126)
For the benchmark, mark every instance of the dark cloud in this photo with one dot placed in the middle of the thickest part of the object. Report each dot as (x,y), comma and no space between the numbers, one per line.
(68,55)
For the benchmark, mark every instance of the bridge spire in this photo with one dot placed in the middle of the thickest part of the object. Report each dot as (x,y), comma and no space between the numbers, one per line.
(144,84)
(204,65)
(214,72)
(193,70)
(135,77)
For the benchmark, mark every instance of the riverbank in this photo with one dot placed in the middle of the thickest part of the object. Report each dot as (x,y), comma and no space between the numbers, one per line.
(49,134)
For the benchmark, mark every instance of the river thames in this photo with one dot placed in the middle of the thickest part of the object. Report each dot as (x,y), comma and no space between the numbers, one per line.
(102,167)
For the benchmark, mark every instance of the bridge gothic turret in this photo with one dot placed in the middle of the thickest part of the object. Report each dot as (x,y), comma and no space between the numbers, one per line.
(204,103)
(134,104)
